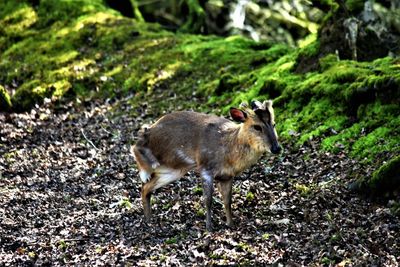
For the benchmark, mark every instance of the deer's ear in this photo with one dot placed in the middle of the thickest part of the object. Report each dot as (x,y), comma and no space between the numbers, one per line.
(238,115)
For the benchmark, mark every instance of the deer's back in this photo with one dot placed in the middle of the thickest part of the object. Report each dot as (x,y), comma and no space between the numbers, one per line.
(185,139)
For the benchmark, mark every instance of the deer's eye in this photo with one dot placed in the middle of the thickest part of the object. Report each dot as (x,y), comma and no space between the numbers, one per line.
(258,128)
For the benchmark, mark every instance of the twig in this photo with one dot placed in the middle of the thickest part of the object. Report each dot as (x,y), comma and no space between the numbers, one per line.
(52,242)
(90,142)
(104,129)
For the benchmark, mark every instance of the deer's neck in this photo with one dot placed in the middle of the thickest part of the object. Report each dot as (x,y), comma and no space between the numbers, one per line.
(241,154)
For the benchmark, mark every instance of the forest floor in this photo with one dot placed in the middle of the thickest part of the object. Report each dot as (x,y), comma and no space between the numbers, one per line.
(69,194)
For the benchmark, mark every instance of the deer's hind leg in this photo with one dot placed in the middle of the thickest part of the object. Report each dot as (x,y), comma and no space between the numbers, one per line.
(160,177)
(146,162)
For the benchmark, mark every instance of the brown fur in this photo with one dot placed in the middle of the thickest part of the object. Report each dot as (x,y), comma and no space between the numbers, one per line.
(214,146)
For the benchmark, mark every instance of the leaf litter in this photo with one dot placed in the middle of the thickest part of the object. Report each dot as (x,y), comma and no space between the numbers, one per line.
(69,195)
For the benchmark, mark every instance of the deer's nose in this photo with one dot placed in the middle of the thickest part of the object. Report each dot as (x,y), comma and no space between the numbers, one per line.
(275,149)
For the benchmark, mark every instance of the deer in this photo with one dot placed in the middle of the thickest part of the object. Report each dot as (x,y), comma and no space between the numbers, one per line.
(215,147)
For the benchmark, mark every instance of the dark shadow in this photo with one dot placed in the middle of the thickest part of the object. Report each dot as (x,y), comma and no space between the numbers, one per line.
(123,6)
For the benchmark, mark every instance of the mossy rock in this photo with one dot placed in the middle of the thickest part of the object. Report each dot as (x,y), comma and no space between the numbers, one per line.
(384,180)
(387,177)
(5,102)
(307,59)
(25,99)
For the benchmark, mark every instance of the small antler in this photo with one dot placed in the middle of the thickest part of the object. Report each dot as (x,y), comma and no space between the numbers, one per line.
(267,104)
(255,104)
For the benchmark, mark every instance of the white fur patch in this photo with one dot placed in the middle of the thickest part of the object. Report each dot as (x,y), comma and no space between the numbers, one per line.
(181,155)
(167,175)
(228,126)
(206,176)
(144,176)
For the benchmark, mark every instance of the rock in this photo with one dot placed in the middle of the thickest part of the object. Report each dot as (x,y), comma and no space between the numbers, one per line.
(385,179)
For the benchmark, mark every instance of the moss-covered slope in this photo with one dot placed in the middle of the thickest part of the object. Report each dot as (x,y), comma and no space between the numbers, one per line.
(383,180)
(82,48)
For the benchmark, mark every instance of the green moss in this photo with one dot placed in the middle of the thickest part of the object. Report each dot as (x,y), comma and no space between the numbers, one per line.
(381,140)
(172,240)
(196,17)
(309,50)
(344,73)
(321,104)
(5,101)
(355,6)
(288,129)
(213,65)
(303,189)
(67,10)
(227,83)
(395,208)
(328,61)
(200,212)
(29,94)
(266,236)
(198,190)
(250,196)
(327,127)
(327,261)
(71,38)
(384,180)
(344,139)
(315,111)
(18,20)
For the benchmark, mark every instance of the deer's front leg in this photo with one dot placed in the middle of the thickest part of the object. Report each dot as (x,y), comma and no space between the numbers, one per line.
(208,189)
(225,188)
